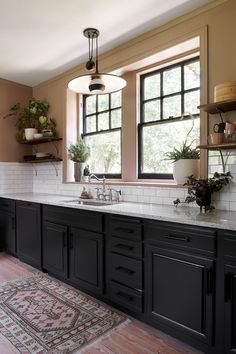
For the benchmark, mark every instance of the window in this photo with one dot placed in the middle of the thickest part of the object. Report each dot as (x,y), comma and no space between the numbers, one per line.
(102,132)
(166,95)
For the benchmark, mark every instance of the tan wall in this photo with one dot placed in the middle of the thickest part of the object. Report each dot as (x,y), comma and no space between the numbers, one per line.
(11,93)
(220,21)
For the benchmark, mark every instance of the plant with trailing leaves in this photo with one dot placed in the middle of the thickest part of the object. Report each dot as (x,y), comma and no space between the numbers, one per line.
(185,151)
(34,115)
(79,152)
(200,190)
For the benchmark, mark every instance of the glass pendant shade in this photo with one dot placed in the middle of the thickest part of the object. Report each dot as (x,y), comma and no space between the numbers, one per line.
(95,83)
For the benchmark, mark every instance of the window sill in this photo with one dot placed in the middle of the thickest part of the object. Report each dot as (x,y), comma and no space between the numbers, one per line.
(141,183)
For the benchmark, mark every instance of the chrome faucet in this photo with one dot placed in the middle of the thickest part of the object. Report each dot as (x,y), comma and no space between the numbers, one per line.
(103,180)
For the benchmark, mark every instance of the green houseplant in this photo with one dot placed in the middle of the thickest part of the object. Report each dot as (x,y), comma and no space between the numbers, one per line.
(30,119)
(185,160)
(78,153)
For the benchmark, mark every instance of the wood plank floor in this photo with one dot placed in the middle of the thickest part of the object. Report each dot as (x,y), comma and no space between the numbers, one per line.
(133,338)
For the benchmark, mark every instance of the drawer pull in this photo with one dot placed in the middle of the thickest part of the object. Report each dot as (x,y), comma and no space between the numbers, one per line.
(125,270)
(124,247)
(125,230)
(177,238)
(71,240)
(125,296)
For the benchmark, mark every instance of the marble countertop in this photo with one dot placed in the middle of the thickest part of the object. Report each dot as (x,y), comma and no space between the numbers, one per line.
(187,215)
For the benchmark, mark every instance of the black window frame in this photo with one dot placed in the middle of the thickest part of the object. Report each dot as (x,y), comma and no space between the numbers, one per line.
(96,113)
(142,123)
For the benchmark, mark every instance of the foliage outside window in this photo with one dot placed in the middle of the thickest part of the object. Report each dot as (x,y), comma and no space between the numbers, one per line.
(165,96)
(102,132)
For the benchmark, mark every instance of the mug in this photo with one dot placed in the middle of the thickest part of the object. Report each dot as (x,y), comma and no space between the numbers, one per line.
(219,128)
(229,127)
(216,138)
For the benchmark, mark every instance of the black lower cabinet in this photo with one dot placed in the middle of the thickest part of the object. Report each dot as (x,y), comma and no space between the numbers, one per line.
(28,229)
(55,255)
(86,260)
(7,232)
(179,292)
(7,226)
(230,308)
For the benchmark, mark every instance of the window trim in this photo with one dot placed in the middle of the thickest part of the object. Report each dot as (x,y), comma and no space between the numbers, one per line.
(142,123)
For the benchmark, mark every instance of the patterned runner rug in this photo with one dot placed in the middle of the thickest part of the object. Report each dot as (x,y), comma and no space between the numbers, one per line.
(41,315)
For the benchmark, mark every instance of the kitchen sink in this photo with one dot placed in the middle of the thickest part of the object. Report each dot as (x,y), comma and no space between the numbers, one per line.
(90,202)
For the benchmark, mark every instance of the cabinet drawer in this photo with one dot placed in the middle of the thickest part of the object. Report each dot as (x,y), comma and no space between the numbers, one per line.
(87,220)
(128,298)
(130,229)
(7,205)
(230,245)
(189,238)
(126,247)
(126,271)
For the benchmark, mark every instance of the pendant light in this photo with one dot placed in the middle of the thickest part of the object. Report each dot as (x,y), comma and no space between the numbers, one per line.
(95,83)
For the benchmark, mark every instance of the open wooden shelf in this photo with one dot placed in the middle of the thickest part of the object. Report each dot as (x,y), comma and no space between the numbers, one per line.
(55,159)
(40,141)
(225,146)
(219,107)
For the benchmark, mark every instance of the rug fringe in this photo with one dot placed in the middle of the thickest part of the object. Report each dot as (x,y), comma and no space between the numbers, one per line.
(105,335)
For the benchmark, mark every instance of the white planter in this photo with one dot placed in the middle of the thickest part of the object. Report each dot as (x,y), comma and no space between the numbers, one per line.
(29,133)
(184,168)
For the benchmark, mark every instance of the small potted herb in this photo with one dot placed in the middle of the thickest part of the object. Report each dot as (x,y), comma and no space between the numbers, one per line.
(86,173)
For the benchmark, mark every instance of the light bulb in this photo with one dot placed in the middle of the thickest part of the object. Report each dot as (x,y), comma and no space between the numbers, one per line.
(96,85)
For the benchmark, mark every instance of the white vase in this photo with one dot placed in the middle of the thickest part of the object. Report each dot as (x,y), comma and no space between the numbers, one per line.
(29,133)
(184,168)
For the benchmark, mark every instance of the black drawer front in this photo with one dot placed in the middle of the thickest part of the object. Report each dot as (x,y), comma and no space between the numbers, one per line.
(7,205)
(125,228)
(128,298)
(126,247)
(126,271)
(194,239)
(230,245)
(28,204)
(87,220)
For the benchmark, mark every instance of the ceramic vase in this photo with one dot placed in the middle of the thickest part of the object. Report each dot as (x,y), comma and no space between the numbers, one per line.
(29,133)
(184,168)
(78,171)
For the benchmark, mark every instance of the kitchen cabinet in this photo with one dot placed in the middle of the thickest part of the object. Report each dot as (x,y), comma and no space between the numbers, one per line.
(125,262)
(229,247)
(73,246)
(55,255)
(86,259)
(7,226)
(28,229)
(179,277)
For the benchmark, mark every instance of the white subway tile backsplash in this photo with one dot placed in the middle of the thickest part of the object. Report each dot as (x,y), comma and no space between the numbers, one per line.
(17,177)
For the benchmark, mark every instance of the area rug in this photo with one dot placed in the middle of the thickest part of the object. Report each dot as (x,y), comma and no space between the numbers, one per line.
(41,315)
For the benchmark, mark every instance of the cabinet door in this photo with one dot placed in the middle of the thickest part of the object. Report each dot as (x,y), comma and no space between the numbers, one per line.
(7,232)
(28,228)
(179,289)
(230,308)
(55,248)
(86,260)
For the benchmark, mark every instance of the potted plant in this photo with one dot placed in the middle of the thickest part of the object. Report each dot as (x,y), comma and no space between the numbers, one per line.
(30,119)
(86,173)
(185,161)
(200,190)
(78,153)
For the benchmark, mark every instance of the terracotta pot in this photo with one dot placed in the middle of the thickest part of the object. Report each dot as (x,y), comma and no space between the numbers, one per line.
(184,168)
